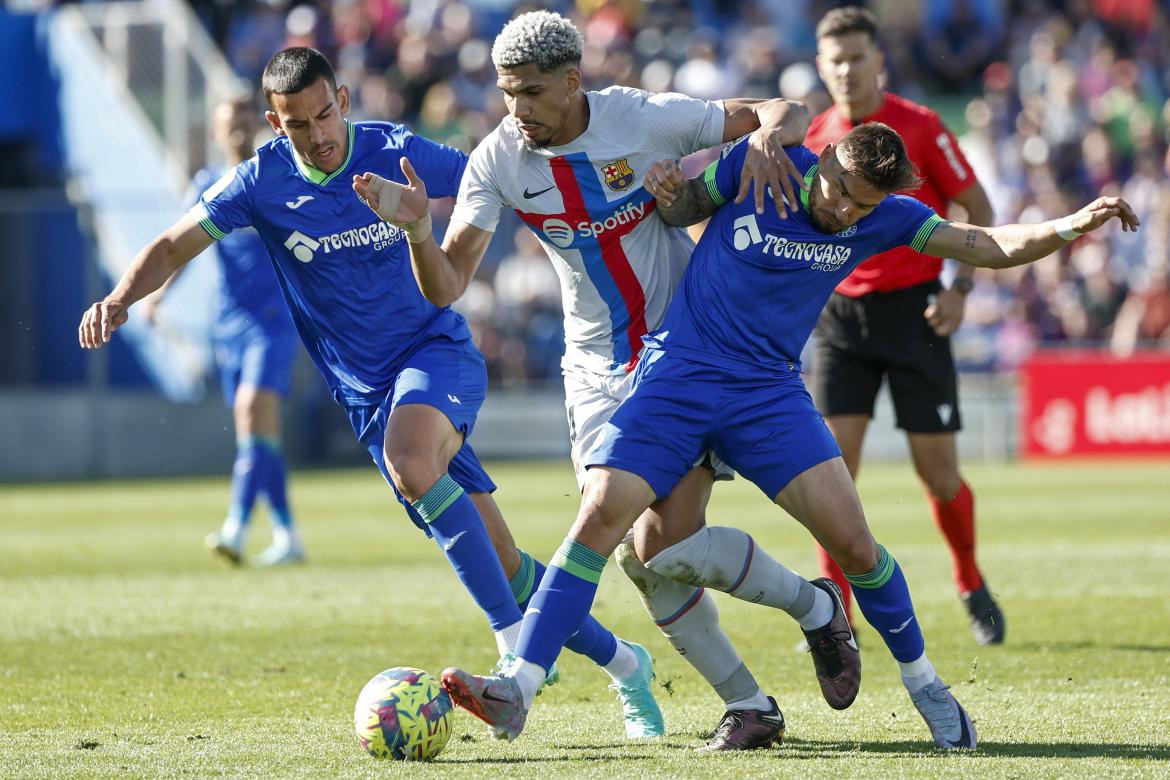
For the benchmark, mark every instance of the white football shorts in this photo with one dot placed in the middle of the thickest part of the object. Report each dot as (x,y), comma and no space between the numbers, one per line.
(590,400)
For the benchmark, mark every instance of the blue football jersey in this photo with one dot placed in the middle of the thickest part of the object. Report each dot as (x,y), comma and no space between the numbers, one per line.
(345,273)
(757,283)
(248,295)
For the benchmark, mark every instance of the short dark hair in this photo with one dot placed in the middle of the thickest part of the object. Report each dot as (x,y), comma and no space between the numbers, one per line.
(294,69)
(875,152)
(850,19)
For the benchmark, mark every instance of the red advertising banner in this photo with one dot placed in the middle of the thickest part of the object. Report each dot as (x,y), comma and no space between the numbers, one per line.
(1090,403)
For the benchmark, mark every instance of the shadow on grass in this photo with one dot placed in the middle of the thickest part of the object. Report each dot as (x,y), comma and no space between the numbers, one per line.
(574,758)
(618,750)
(1085,644)
(803,750)
(817,749)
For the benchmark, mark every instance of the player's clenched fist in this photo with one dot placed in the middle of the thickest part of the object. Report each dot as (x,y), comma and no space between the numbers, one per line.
(99,322)
(664,180)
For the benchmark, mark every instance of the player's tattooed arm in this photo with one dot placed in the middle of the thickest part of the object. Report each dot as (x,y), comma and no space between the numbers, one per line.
(1009,245)
(681,202)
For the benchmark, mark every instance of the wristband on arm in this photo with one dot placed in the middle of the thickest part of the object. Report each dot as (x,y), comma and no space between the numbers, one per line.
(1065,230)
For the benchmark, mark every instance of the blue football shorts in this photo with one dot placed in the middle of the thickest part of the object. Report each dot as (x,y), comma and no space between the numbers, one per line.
(261,357)
(763,424)
(449,376)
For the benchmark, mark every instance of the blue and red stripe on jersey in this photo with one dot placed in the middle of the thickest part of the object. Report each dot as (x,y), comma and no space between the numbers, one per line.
(602,254)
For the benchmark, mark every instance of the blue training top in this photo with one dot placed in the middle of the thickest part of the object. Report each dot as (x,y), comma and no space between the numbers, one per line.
(345,273)
(757,283)
(248,295)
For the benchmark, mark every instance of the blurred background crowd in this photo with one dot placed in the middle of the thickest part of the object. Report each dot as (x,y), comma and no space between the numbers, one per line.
(1055,102)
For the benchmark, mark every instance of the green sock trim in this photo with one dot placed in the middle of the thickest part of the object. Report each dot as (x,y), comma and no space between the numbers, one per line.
(435,501)
(579,560)
(878,576)
(271,442)
(525,579)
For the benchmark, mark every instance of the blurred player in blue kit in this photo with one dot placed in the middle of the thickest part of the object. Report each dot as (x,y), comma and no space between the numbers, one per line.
(723,373)
(255,344)
(405,371)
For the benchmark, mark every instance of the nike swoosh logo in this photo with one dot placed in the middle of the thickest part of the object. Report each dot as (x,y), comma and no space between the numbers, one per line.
(898,630)
(488,696)
(300,201)
(772,720)
(528,194)
(964,739)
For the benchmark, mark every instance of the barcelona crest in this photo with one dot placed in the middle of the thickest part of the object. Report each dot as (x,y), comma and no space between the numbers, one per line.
(618,175)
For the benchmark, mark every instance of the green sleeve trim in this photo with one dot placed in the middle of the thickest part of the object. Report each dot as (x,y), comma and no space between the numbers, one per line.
(211,229)
(579,560)
(713,188)
(925,232)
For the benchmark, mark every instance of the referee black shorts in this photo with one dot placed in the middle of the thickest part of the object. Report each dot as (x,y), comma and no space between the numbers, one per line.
(860,341)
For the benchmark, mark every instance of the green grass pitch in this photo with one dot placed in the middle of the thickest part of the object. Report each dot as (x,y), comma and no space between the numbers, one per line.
(125,651)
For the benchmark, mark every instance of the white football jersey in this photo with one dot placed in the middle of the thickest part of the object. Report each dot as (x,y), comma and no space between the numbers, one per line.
(618,262)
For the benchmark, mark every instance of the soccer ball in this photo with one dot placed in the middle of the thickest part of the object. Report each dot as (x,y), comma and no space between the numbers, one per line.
(403,714)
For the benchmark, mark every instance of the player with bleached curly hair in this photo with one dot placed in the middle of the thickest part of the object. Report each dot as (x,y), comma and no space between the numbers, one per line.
(571,162)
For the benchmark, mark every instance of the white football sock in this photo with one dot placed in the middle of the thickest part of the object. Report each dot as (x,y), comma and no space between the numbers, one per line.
(690,620)
(284,536)
(232,530)
(821,611)
(917,674)
(530,677)
(727,559)
(757,702)
(624,663)
(508,637)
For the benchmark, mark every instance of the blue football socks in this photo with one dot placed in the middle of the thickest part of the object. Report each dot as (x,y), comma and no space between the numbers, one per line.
(246,473)
(884,599)
(272,476)
(561,603)
(458,529)
(592,640)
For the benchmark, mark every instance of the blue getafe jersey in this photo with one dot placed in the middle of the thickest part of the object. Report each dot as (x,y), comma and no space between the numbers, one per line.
(345,273)
(249,295)
(756,283)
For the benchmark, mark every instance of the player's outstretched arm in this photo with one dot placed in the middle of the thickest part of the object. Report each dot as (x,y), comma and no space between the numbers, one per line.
(681,202)
(443,273)
(1009,245)
(151,268)
(773,124)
